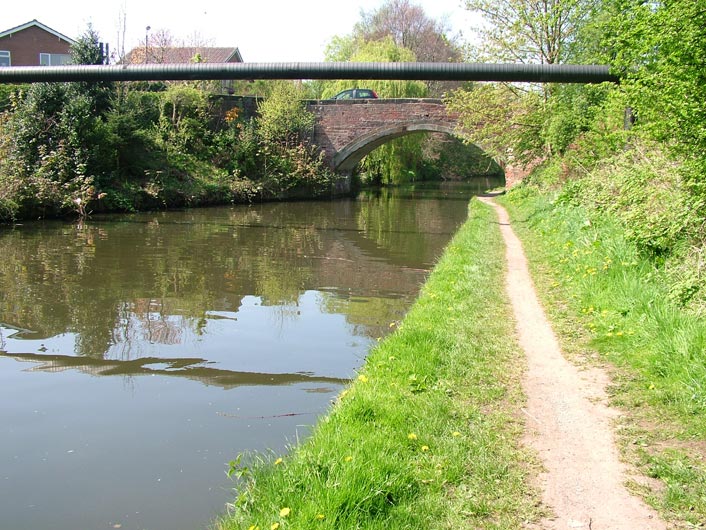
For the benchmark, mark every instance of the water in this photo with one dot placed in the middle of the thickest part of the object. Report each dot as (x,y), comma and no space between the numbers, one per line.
(140,353)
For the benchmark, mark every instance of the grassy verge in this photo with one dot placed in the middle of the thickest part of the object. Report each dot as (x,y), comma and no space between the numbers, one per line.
(609,304)
(427,435)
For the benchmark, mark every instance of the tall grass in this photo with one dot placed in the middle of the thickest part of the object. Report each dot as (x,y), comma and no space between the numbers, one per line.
(426,436)
(609,297)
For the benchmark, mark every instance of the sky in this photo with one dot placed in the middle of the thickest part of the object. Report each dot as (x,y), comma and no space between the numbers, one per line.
(263,30)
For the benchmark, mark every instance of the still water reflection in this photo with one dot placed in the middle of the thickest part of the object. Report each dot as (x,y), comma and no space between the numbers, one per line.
(140,353)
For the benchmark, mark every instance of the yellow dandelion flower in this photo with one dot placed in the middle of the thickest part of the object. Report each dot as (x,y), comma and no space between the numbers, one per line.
(284,512)
(425,448)
(362,378)
(412,436)
(278,461)
(320,516)
(254,527)
(348,458)
(274,526)
(455,433)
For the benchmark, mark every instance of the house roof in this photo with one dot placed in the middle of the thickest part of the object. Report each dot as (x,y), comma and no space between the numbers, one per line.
(35,22)
(171,55)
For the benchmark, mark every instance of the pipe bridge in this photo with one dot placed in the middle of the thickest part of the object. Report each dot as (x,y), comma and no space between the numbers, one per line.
(531,73)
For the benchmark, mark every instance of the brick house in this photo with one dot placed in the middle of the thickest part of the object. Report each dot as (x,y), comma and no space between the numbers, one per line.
(34,44)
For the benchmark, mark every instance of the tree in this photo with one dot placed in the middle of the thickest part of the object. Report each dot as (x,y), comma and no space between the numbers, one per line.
(156,46)
(385,51)
(530,31)
(409,27)
(661,51)
(88,50)
(505,123)
(283,119)
(56,135)
(526,122)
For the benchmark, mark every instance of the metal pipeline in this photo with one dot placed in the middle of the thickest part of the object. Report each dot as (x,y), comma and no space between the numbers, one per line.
(535,73)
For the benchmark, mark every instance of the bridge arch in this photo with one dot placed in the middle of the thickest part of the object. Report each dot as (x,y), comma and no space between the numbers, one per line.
(348,130)
(346,159)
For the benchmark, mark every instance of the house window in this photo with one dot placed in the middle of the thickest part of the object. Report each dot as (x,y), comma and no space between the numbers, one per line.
(5,58)
(54,59)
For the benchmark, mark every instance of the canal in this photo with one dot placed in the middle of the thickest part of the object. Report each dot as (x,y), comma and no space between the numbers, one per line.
(140,353)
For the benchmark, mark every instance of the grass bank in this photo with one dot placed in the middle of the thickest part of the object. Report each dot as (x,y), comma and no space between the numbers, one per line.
(612,303)
(426,436)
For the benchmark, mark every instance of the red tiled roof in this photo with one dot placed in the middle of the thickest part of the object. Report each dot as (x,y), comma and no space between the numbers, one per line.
(188,54)
(35,22)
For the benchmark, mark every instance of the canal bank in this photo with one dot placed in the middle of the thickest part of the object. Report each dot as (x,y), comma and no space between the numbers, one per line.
(613,307)
(152,348)
(427,435)
(439,429)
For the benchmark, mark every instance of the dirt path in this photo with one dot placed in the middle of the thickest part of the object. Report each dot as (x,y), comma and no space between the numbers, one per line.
(569,422)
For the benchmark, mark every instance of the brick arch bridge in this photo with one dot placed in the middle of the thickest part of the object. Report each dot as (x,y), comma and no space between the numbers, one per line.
(348,130)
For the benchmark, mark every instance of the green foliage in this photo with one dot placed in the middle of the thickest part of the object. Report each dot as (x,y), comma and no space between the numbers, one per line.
(8,93)
(184,119)
(457,160)
(73,147)
(86,50)
(409,27)
(530,32)
(384,50)
(277,147)
(505,123)
(395,162)
(341,49)
(283,119)
(56,134)
(660,50)
(571,112)
(52,133)
(642,188)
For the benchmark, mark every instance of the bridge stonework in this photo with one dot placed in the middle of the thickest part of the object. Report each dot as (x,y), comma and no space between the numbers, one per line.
(348,130)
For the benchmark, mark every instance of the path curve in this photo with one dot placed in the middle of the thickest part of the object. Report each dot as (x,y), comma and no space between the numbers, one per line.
(569,422)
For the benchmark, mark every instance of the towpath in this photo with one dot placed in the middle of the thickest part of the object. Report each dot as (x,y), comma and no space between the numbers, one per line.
(569,422)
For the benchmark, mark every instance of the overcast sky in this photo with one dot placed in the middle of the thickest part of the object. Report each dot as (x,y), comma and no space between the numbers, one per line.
(263,30)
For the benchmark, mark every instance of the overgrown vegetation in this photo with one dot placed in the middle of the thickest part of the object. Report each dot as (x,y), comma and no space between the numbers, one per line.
(425,437)
(614,214)
(649,175)
(79,147)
